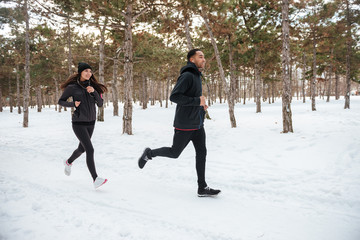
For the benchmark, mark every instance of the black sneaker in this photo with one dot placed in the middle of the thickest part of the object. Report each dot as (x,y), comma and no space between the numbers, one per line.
(144,157)
(207,192)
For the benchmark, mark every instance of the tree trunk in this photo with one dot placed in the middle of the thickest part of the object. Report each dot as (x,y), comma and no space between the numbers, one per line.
(152,103)
(273,86)
(313,82)
(219,91)
(221,70)
(263,95)
(244,86)
(285,59)
(167,89)
(252,87)
(304,76)
(1,100)
(330,76)
(160,98)
(128,65)
(145,96)
(18,89)
(100,115)
(238,88)
(69,47)
(27,68)
(38,98)
(232,90)
(128,72)
(257,88)
(208,92)
(10,96)
(56,92)
(291,73)
(190,46)
(47,97)
(348,54)
(70,58)
(114,86)
(337,95)
(297,83)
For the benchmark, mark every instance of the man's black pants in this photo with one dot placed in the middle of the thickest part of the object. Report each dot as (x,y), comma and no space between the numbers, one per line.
(180,141)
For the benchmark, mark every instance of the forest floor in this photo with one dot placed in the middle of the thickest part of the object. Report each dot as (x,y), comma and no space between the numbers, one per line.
(298,186)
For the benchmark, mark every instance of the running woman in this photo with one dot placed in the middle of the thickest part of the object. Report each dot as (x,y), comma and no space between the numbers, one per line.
(85,91)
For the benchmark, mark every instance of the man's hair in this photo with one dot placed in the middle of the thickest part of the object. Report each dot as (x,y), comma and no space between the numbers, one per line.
(192,53)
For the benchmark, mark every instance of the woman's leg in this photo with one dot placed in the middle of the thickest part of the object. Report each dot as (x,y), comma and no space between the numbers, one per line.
(84,133)
(76,154)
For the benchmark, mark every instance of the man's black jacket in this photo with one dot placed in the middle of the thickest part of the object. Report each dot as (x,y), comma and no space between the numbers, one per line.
(186,94)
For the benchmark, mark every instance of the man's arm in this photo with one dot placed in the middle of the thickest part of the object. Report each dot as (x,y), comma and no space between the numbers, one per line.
(182,85)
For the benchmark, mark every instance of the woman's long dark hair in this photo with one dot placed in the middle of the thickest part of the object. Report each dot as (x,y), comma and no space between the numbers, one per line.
(73,79)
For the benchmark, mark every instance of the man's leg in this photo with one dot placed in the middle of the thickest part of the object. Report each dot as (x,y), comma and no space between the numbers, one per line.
(180,141)
(199,141)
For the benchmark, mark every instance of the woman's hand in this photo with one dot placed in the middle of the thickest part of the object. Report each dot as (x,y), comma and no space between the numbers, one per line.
(90,89)
(77,103)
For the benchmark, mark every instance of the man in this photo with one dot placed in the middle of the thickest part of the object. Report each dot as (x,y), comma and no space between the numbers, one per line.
(189,120)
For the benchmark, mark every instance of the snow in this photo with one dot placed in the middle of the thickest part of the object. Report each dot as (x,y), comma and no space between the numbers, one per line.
(298,186)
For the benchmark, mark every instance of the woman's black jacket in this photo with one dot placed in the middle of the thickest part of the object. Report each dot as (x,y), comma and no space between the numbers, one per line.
(86,111)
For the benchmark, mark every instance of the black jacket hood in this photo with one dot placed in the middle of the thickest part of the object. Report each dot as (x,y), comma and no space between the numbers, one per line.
(190,67)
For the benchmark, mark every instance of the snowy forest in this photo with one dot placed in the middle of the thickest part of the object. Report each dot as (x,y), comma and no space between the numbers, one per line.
(282,82)
(256,51)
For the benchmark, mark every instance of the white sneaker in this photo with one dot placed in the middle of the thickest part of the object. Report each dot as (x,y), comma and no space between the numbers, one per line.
(99,181)
(67,168)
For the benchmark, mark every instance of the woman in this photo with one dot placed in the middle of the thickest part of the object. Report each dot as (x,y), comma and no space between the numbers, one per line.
(85,91)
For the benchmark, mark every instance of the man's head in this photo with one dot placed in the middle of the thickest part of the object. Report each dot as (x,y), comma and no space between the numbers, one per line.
(197,57)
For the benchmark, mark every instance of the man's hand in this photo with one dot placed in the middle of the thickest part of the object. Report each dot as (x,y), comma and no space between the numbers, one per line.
(202,101)
(206,107)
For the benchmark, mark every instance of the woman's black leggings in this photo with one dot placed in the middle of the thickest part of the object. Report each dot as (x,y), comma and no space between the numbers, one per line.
(84,133)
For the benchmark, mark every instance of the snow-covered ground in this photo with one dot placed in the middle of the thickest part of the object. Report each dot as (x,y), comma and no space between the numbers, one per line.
(300,186)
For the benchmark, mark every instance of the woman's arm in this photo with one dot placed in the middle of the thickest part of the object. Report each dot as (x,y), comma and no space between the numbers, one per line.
(98,99)
(64,97)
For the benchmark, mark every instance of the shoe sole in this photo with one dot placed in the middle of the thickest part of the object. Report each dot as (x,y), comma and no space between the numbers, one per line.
(207,195)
